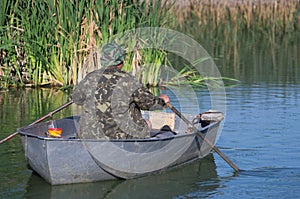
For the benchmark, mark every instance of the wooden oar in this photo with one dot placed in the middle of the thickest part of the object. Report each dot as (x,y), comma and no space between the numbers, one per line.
(203,138)
(39,120)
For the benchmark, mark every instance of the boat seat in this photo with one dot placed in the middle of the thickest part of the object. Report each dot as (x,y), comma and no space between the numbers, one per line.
(160,119)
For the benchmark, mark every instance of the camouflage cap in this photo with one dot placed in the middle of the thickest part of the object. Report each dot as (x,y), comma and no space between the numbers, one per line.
(112,55)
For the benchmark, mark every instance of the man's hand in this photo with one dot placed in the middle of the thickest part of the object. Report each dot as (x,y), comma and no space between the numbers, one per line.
(165,98)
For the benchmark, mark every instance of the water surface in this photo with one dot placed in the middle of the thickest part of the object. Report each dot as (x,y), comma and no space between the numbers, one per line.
(260,135)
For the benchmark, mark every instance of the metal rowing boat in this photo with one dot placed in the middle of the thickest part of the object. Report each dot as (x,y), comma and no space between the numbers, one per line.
(70,159)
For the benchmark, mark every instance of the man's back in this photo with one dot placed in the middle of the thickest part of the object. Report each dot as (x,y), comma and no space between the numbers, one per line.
(115,107)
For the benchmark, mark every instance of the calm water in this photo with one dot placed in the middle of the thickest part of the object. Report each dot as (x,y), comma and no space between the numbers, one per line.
(260,134)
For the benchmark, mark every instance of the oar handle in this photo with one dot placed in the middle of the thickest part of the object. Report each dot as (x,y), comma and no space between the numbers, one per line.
(9,137)
(39,120)
(231,164)
(50,114)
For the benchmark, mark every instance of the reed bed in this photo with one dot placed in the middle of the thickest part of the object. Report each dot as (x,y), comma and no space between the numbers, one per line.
(53,42)
(278,16)
(245,36)
(230,21)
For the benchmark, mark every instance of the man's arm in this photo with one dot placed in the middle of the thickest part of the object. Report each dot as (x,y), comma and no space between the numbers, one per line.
(145,100)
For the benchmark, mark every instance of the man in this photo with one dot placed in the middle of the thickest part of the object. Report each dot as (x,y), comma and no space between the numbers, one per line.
(113,100)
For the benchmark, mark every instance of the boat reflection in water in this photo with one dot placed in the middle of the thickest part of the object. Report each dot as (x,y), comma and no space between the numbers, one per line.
(199,176)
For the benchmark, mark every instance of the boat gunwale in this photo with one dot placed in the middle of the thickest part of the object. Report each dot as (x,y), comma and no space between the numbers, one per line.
(151,139)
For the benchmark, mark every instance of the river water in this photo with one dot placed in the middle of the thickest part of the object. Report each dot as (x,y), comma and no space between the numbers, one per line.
(260,135)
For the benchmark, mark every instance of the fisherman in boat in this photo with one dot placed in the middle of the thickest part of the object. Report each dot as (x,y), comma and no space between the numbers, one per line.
(113,100)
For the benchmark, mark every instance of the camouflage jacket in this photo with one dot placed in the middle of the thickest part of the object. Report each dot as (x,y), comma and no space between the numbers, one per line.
(115,103)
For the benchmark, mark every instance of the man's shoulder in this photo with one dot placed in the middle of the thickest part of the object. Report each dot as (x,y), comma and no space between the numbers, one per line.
(120,74)
(93,76)
(96,73)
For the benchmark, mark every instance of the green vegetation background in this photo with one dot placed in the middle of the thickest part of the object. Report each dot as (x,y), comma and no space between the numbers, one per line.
(49,42)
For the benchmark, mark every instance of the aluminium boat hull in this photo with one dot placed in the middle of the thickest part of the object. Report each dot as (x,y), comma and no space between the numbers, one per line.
(70,160)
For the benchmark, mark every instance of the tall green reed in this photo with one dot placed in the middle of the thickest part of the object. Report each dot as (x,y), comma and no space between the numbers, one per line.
(49,41)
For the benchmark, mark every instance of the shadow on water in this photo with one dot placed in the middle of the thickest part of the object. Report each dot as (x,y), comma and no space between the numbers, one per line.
(200,177)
